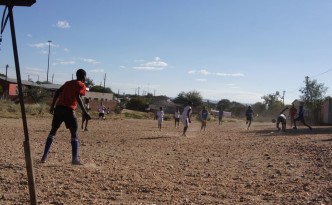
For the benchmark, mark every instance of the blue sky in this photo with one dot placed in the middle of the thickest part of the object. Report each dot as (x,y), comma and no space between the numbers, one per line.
(236,49)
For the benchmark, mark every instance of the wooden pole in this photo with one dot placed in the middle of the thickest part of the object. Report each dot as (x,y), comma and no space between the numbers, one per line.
(27,150)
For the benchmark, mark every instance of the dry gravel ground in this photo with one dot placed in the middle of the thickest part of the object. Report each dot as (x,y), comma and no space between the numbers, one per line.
(129,161)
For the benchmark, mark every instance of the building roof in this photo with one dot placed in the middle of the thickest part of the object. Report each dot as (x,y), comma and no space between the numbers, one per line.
(29,83)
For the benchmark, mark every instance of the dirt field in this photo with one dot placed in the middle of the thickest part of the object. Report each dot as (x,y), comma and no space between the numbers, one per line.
(130,162)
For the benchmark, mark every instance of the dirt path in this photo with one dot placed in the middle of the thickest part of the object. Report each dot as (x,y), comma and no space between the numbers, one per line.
(130,162)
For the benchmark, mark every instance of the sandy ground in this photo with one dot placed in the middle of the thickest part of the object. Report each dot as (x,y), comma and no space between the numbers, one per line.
(130,161)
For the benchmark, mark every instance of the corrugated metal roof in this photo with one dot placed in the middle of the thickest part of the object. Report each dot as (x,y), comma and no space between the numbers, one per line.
(25,82)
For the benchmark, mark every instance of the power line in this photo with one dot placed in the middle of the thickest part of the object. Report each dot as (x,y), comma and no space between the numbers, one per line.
(321,73)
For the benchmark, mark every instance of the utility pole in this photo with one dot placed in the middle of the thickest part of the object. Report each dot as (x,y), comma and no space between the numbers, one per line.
(138,91)
(104,82)
(48,61)
(7,66)
(283,97)
(52,78)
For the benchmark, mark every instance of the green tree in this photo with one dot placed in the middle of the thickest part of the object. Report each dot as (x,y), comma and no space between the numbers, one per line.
(37,94)
(100,89)
(89,82)
(193,96)
(225,104)
(137,103)
(313,93)
(271,99)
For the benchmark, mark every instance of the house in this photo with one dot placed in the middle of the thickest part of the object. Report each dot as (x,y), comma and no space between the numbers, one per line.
(8,87)
(326,111)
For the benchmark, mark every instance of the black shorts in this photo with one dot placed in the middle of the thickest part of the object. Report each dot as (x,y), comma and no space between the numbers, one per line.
(64,114)
(177,119)
(101,115)
(249,118)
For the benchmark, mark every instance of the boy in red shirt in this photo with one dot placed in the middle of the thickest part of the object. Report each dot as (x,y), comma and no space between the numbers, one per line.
(292,113)
(66,99)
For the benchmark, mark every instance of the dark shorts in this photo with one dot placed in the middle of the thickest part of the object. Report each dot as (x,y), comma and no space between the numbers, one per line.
(281,120)
(249,118)
(177,119)
(64,114)
(101,115)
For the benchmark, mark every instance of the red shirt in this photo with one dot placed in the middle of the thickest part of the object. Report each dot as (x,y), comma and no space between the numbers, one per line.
(292,111)
(69,92)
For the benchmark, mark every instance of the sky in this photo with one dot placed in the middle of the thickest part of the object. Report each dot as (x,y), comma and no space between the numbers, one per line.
(224,49)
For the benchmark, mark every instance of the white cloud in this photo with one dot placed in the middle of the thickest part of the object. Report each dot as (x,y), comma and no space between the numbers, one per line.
(63,24)
(231,74)
(66,50)
(90,60)
(43,45)
(201,80)
(63,62)
(97,71)
(157,64)
(205,72)
(35,71)
(122,67)
(29,35)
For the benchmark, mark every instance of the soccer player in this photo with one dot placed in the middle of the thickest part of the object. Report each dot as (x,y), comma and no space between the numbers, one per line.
(101,111)
(282,119)
(300,118)
(249,115)
(291,114)
(84,119)
(177,117)
(160,116)
(204,116)
(220,115)
(63,108)
(185,117)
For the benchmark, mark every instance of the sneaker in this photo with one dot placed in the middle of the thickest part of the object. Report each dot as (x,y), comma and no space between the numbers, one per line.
(86,129)
(76,162)
(43,160)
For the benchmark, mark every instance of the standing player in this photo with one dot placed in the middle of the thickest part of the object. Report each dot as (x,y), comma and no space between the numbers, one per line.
(160,116)
(300,118)
(185,117)
(84,118)
(220,115)
(63,108)
(101,111)
(291,114)
(282,119)
(249,116)
(204,116)
(177,117)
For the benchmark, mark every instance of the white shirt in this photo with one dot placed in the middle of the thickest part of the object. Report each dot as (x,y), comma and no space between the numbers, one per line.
(160,114)
(185,112)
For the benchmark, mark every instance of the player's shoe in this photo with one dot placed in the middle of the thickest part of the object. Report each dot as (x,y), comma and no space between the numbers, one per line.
(43,160)
(76,162)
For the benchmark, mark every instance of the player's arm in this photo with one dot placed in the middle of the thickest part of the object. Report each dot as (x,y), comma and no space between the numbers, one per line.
(55,98)
(188,115)
(80,103)
(283,110)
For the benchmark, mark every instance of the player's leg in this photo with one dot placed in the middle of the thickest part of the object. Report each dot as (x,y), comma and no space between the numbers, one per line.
(303,122)
(56,122)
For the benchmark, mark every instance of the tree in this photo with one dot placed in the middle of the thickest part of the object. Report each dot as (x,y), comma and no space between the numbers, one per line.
(225,104)
(272,99)
(313,93)
(193,96)
(100,89)
(137,103)
(89,82)
(37,94)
